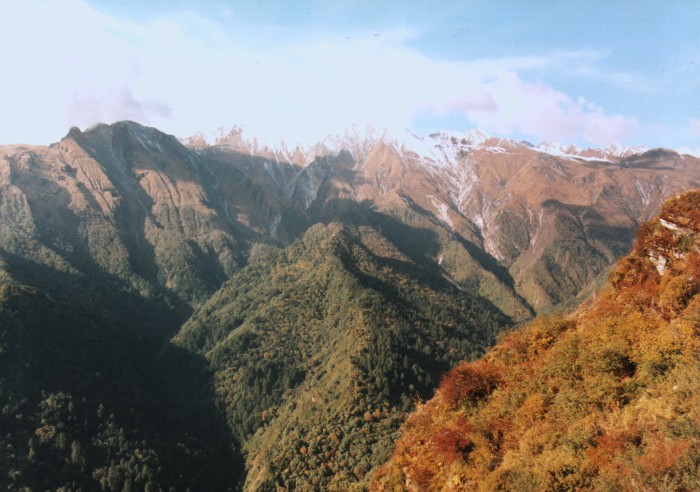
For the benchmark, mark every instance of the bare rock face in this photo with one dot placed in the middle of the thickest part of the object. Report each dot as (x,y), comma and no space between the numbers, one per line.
(124,199)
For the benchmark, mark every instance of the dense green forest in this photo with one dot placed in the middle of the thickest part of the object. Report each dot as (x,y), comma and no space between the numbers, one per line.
(305,362)
(319,349)
(86,404)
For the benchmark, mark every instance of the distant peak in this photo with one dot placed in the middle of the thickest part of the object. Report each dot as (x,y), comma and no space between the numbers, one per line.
(473,137)
(477,136)
(689,151)
(612,152)
(434,147)
(124,133)
(74,133)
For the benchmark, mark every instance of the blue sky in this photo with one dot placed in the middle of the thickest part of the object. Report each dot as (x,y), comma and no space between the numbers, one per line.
(585,72)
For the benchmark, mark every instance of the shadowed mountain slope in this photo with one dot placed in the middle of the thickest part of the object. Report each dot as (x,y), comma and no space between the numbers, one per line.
(83,408)
(515,224)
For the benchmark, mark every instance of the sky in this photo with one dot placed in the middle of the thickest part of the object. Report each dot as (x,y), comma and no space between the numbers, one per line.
(589,73)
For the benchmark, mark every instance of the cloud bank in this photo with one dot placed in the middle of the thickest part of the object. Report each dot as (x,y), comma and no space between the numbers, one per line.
(67,64)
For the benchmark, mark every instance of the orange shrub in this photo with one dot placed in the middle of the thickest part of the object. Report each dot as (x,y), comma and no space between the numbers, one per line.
(692,265)
(469,381)
(451,445)
(511,348)
(634,271)
(608,446)
(661,456)
(421,476)
(676,292)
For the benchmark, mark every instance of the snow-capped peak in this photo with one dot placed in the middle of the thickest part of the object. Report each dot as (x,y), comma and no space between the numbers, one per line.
(612,152)
(437,149)
(554,148)
(619,150)
(444,149)
(473,139)
(476,137)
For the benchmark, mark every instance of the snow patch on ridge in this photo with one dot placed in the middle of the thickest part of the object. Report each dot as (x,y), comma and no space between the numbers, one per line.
(611,153)
(444,149)
(442,210)
(643,192)
(438,150)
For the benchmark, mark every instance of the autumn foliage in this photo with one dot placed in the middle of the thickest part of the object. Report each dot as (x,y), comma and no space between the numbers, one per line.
(605,399)
(469,381)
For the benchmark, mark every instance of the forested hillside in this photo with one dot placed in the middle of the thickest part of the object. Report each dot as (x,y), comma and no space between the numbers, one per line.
(318,349)
(84,407)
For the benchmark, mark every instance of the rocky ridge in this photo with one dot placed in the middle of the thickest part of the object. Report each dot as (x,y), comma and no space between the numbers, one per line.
(511,199)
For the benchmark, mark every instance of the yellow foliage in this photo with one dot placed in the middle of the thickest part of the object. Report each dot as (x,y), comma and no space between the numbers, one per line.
(532,409)
(675,293)
(606,399)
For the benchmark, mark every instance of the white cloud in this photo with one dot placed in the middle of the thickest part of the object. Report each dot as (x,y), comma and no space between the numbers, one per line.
(67,64)
(113,104)
(547,114)
(695,127)
(63,65)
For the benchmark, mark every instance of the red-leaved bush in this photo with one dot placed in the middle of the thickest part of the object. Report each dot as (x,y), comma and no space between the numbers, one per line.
(451,444)
(469,381)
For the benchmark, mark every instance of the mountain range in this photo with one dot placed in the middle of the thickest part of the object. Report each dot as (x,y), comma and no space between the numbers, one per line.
(174,308)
